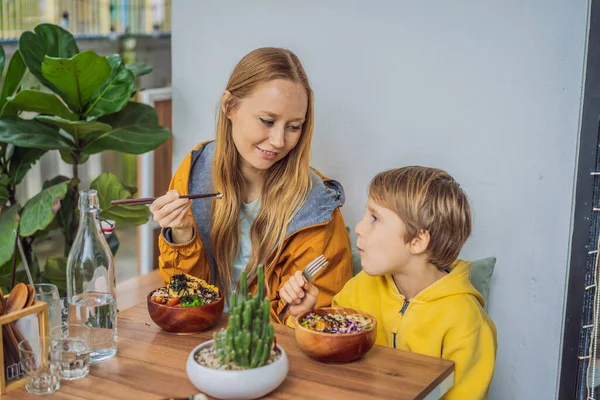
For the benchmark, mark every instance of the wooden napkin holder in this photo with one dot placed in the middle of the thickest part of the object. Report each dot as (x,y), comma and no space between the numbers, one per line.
(14,371)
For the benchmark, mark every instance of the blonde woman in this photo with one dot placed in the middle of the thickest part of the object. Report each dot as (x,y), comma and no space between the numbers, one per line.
(276,211)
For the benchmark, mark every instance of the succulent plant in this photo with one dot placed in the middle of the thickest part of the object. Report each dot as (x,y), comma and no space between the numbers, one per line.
(248,339)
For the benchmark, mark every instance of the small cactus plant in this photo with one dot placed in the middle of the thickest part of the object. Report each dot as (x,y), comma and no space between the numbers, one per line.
(248,339)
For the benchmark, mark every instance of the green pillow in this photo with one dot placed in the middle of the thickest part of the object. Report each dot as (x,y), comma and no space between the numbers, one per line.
(356,266)
(481,273)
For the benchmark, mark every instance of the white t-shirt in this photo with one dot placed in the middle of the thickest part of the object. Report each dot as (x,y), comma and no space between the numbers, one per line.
(248,213)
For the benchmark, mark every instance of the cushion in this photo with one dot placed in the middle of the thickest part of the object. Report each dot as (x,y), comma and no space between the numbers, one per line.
(356,266)
(481,274)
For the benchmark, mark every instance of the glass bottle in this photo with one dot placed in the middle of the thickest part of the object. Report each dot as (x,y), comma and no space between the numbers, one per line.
(91,283)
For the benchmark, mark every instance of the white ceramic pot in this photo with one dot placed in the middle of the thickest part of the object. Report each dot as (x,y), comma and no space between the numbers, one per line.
(243,384)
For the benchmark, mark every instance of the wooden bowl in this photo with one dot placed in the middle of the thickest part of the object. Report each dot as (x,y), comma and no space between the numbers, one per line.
(335,347)
(185,319)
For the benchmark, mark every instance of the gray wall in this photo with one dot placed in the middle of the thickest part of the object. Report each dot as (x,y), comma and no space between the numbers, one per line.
(489,91)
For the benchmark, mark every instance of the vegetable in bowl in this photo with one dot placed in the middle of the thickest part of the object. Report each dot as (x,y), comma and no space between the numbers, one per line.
(336,323)
(186,290)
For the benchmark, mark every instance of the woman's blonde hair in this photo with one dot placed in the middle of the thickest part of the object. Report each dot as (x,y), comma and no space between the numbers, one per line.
(427,199)
(287,183)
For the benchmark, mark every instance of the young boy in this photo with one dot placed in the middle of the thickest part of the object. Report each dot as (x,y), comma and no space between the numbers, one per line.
(416,222)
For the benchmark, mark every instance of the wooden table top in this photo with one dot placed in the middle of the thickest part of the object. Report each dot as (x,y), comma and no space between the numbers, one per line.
(150,364)
(135,290)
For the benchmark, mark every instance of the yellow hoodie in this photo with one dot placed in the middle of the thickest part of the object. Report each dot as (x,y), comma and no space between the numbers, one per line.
(444,320)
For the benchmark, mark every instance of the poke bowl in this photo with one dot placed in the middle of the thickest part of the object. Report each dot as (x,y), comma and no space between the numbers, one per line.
(186,305)
(335,335)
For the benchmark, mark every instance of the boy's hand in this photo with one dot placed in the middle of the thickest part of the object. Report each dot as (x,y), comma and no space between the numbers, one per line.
(300,294)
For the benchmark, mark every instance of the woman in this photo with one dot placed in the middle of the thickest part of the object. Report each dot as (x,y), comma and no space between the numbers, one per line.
(275,210)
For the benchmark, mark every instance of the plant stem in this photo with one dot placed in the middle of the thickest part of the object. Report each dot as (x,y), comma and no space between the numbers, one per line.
(12,195)
(14,262)
(12,189)
(34,265)
(75,164)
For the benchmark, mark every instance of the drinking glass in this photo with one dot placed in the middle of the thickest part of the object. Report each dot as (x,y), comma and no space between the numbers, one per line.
(48,293)
(41,365)
(75,343)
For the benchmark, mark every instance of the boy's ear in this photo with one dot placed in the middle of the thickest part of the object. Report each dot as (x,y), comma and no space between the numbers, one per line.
(420,243)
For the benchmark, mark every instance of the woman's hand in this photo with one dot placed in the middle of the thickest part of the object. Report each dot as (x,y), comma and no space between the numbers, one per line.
(302,295)
(170,211)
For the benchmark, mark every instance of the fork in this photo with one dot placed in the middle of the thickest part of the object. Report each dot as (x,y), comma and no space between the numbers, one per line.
(309,272)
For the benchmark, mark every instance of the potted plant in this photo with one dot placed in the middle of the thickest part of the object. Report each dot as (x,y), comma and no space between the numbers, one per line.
(56,98)
(243,353)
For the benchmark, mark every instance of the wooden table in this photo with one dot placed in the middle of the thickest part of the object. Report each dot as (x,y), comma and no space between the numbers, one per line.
(135,290)
(150,364)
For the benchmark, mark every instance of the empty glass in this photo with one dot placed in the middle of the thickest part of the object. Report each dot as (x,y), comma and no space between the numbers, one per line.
(75,343)
(48,293)
(41,364)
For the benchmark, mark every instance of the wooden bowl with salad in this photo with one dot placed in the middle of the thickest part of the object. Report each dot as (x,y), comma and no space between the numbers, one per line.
(186,305)
(335,334)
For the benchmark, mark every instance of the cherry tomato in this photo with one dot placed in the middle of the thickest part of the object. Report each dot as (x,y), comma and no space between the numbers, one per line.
(173,301)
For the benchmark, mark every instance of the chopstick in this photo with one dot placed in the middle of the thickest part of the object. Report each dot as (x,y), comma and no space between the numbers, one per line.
(150,200)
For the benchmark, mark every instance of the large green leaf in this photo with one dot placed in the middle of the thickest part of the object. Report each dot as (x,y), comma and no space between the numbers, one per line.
(3,195)
(31,133)
(60,179)
(139,68)
(6,268)
(37,213)
(136,91)
(41,103)
(115,92)
(109,188)
(67,156)
(55,271)
(14,76)
(2,59)
(4,182)
(67,214)
(5,280)
(21,161)
(68,206)
(21,275)
(8,224)
(135,131)
(45,233)
(77,78)
(131,189)
(127,215)
(80,130)
(48,40)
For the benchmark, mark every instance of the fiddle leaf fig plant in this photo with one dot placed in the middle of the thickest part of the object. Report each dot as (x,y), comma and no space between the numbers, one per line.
(82,105)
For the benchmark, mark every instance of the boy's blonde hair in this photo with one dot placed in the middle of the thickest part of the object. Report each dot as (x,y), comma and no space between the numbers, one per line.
(427,199)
